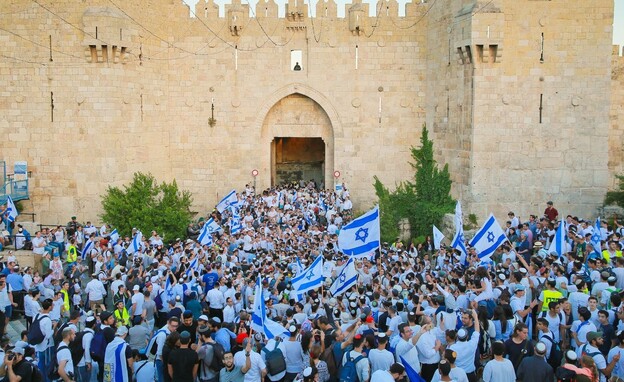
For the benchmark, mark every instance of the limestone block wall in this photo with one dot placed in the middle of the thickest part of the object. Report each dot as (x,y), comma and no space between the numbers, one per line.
(616,132)
(97,113)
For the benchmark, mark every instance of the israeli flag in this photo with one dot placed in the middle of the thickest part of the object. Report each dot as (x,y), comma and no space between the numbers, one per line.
(213,226)
(87,249)
(10,213)
(438,236)
(205,236)
(559,244)
(411,373)
(346,279)
(362,236)
(235,225)
(227,201)
(168,289)
(311,278)
(488,238)
(595,238)
(259,321)
(299,267)
(459,242)
(193,266)
(114,236)
(135,244)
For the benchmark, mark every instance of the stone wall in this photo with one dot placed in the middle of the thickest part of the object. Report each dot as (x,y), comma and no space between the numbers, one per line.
(95,91)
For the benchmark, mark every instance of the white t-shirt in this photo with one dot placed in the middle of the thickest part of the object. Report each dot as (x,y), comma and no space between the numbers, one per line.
(138,299)
(65,354)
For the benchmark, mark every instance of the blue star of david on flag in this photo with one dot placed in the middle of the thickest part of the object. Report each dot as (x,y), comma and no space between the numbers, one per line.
(490,237)
(346,279)
(361,234)
(310,278)
(310,275)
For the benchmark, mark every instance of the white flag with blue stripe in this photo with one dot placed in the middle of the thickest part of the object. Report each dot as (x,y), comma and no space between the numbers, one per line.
(193,266)
(311,278)
(595,238)
(88,247)
(213,226)
(362,236)
(10,213)
(228,200)
(488,238)
(205,236)
(259,321)
(459,242)
(114,236)
(347,277)
(438,236)
(135,244)
(235,224)
(559,241)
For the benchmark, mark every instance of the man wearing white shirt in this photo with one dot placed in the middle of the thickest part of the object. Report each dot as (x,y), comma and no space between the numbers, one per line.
(45,348)
(391,374)
(96,291)
(257,369)
(428,346)
(229,312)
(580,329)
(137,301)
(406,347)
(380,358)
(215,298)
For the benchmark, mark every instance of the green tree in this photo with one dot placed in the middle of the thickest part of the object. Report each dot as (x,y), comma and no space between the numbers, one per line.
(147,205)
(423,202)
(616,197)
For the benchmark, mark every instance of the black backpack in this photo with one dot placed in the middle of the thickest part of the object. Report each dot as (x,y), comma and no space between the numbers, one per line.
(216,364)
(556,355)
(35,335)
(275,361)
(36,373)
(58,333)
(53,374)
(565,375)
(76,349)
(98,346)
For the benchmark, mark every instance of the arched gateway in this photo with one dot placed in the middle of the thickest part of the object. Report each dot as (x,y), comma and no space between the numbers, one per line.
(298,126)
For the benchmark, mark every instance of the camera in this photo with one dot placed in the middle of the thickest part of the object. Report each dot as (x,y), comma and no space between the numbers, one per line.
(11,357)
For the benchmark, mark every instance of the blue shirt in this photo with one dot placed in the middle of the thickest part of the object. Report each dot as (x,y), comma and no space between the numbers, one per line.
(222,336)
(16,281)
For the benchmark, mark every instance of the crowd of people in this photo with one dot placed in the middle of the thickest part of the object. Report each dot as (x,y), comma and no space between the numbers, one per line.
(181,311)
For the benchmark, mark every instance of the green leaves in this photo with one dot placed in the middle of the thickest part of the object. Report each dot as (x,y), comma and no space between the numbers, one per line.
(423,202)
(147,205)
(616,197)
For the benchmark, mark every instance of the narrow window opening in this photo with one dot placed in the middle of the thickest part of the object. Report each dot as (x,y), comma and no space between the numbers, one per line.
(104,53)
(542,49)
(493,52)
(296,60)
(460,53)
(479,53)
(469,54)
(96,33)
(94,55)
(541,107)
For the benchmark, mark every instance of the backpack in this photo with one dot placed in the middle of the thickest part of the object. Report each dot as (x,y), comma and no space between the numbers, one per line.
(565,375)
(58,333)
(217,357)
(158,301)
(348,372)
(98,346)
(537,289)
(76,349)
(556,355)
(35,335)
(330,360)
(53,374)
(275,361)
(152,346)
(36,373)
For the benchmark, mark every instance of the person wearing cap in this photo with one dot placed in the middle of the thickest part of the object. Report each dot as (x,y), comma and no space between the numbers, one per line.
(96,291)
(591,348)
(182,364)
(605,296)
(517,302)
(534,368)
(617,353)
(393,373)
(137,301)
(118,358)
(85,365)
(380,358)
(17,366)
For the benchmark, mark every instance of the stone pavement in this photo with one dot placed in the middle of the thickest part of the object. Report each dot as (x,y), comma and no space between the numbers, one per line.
(14,328)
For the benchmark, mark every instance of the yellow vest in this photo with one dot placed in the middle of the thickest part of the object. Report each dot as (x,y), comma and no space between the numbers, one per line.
(72,254)
(65,300)
(123,318)
(607,255)
(550,295)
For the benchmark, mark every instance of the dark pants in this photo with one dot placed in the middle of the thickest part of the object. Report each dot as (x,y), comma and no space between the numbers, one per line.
(216,313)
(289,377)
(2,323)
(428,370)
(472,376)
(100,375)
